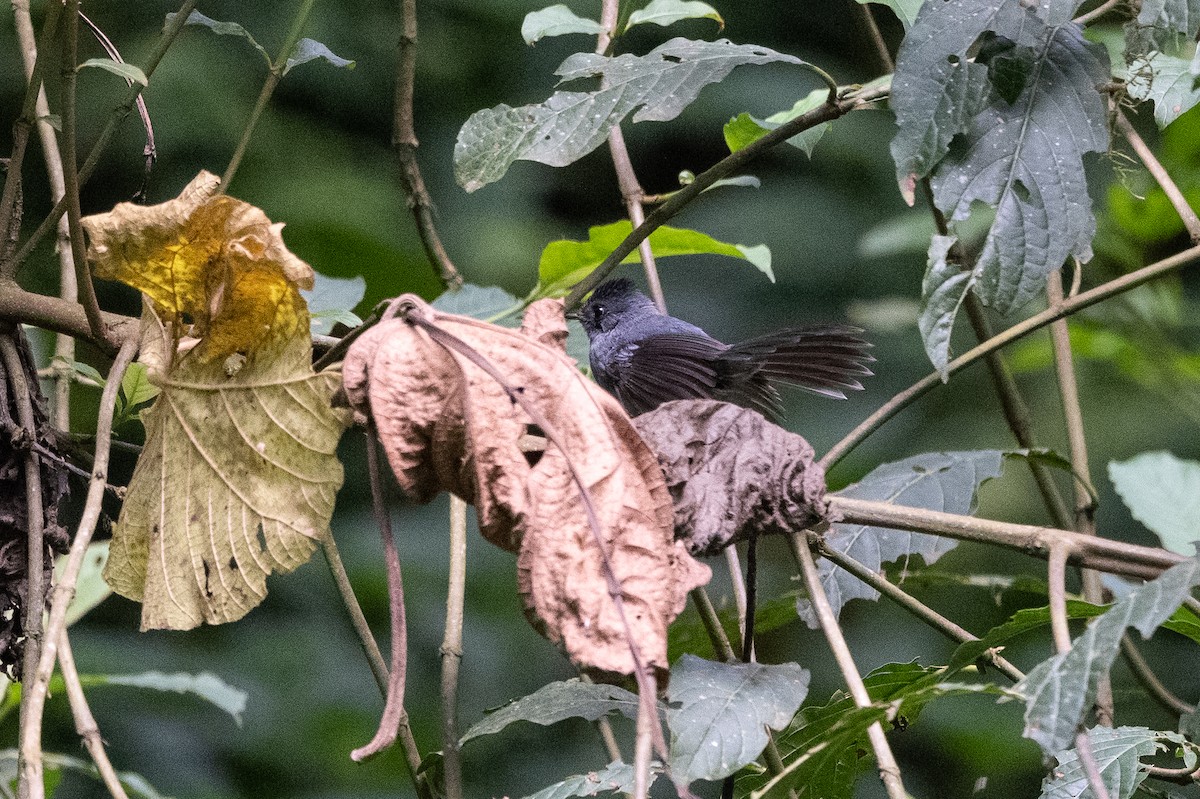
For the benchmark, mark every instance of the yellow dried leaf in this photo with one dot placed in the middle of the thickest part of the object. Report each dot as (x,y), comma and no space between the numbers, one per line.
(239,471)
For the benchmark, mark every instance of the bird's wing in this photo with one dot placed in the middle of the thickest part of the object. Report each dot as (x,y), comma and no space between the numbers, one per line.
(665,367)
(824,360)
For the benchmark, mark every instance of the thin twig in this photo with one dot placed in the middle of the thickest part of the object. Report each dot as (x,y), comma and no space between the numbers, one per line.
(37,684)
(908,602)
(1095,552)
(274,75)
(712,625)
(1083,300)
(726,166)
(1056,579)
(738,582)
(29,761)
(1087,758)
(404,139)
(393,708)
(1149,680)
(170,31)
(85,722)
(889,769)
(83,276)
(452,648)
(881,49)
(1160,175)
(1097,12)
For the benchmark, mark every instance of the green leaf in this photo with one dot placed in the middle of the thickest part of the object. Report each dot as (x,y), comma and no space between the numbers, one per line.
(745,129)
(616,776)
(556,20)
(941,481)
(83,370)
(479,302)
(668,12)
(224,29)
(570,125)
(332,300)
(1024,158)
(906,10)
(1163,493)
(1167,80)
(565,262)
(555,702)
(90,588)
(136,387)
(1117,752)
(719,713)
(205,685)
(1060,689)
(309,50)
(129,72)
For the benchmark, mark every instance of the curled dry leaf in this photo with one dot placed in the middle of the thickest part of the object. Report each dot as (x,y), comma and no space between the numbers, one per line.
(447,425)
(239,471)
(732,473)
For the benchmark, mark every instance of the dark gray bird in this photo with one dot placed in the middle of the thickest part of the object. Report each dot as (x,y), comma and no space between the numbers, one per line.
(644,357)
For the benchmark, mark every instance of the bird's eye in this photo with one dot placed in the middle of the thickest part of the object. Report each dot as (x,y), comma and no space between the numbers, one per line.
(599,309)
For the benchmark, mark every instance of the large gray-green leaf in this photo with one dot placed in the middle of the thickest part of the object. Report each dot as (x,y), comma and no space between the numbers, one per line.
(556,20)
(616,776)
(1118,753)
(570,125)
(1060,689)
(1168,80)
(552,703)
(941,481)
(1163,493)
(942,293)
(720,713)
(1007,126)
(208,687)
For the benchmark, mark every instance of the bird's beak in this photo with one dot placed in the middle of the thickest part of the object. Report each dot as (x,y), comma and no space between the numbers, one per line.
(574,315)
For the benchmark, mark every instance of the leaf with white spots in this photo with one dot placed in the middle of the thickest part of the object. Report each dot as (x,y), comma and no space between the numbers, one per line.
(555,702)
(719,713)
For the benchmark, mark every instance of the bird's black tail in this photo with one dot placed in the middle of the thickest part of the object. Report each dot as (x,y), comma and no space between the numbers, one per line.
(823,360)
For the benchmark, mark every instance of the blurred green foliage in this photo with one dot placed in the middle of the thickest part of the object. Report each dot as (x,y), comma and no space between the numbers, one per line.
(321,162)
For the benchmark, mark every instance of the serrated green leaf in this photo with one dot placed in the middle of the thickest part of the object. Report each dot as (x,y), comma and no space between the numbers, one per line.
(552,703)
(1059,689)
(90,588)
(744,129)
(332,300)
(616,776)
(570,125)
(942,293)
(719,713)
(1163,493)
(205,685)
(1167,80)
(556,20)
(906,10)
(1023,158)
(224,29)
(941,481)
(668,12)
(1117,753)
(310,50)
(565,262)
(479,302)
(129,72)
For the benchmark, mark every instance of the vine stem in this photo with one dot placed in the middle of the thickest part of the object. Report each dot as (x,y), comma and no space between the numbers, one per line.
(85,722)
(1160,175)
(170,31)
(33,697)
(274,75)
(452,648)
(1080,301)
(907,601)
(889,769)
(35,548)
(404,140)
(1092,551)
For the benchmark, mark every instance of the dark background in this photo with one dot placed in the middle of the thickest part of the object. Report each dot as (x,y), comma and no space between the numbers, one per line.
(320,161)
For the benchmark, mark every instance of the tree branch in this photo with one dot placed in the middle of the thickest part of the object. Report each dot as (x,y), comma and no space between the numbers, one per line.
(452,648)
(61,316)
(1160,175)
(85,722)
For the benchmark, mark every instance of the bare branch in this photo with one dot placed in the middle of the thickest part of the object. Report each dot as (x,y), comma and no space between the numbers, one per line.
(452,648)
(1160,175)
(85,722)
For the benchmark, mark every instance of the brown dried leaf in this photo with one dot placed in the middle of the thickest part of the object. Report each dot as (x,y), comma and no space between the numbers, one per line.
(447,424)
(732,473)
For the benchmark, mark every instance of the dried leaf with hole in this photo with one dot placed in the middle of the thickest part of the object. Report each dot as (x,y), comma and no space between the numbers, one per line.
(239,471)
(732,473)
(447,424)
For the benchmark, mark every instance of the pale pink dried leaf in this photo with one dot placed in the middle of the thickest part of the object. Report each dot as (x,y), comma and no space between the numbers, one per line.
(732,473)
(544,322)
